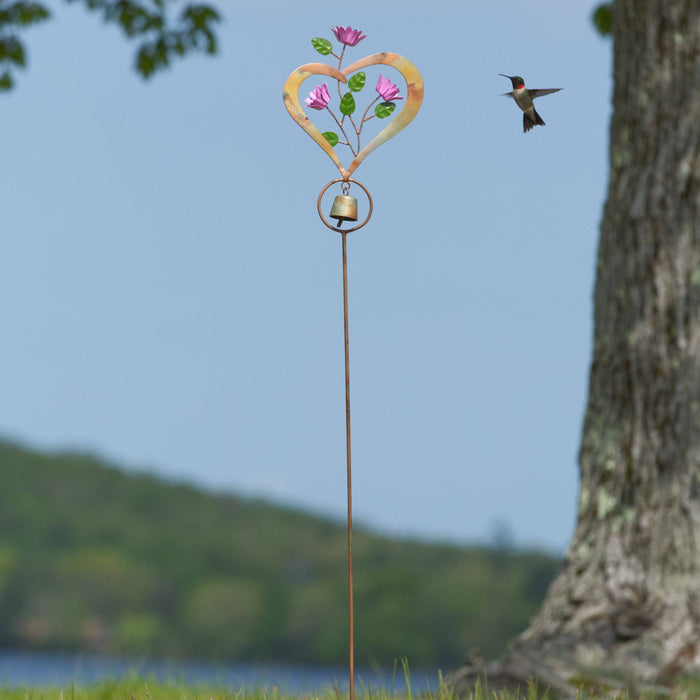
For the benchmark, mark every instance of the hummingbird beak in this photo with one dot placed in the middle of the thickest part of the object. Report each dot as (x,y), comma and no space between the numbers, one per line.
(506,76)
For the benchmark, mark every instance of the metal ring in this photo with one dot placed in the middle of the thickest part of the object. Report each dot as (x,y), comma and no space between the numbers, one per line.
(337,228)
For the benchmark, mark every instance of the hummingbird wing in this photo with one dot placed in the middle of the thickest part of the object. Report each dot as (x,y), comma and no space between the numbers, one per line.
(540,92)
(507,94)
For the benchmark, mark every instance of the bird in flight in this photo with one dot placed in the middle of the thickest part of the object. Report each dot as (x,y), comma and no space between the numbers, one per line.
(523,98)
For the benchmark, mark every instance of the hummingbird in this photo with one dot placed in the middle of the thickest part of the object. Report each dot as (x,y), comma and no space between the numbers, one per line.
(524,97)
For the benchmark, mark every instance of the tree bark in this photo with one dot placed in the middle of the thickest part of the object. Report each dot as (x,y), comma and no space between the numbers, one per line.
(627,600)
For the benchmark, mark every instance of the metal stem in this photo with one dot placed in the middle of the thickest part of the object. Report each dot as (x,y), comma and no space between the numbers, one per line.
(347,437)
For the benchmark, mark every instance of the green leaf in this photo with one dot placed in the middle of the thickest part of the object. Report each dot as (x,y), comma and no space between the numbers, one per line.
(357,82)
(331,137)
(17,55)
(12,51)
(347,104)
(5,82)
(603,18)
(323,46)
(384,109)
(136,20)
(201,16)
(148,60)
(25,13)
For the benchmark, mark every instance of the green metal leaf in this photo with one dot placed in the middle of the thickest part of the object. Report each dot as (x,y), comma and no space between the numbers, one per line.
(331,137)
(384,109)
(347,104)
(323,46)
(357,82)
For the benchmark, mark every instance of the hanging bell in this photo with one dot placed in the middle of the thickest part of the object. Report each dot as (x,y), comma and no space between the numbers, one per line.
(344,209)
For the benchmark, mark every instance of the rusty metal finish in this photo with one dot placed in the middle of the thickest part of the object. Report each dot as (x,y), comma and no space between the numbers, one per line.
(409,110)
(414,98)
(291,102)
(351,597)
(411,105)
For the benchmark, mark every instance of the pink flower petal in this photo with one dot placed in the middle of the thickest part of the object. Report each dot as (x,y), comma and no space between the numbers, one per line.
(348,35)
(387,90)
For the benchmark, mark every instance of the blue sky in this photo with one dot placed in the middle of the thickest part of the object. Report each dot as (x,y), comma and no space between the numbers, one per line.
(170,300)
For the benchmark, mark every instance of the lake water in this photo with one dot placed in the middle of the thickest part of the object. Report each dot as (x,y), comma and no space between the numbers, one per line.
(62,670)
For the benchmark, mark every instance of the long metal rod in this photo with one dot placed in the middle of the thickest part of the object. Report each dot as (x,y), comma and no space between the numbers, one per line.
(349,462)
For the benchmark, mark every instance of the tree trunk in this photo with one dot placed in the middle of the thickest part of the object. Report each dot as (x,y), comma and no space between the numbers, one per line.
(627,600)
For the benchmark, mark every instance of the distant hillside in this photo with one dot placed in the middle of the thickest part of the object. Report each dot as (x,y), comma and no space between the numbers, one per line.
(96,559)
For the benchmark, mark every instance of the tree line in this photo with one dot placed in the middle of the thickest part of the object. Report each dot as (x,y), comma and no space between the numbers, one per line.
(96,559)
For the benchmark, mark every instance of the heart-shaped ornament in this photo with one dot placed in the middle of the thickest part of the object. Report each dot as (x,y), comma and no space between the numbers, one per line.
(410,107)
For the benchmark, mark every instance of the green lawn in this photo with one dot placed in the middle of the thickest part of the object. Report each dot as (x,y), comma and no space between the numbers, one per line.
(139,689)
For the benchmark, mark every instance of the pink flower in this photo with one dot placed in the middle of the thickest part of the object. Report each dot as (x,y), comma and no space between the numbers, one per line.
(348,35)
(319,97)
(387,91)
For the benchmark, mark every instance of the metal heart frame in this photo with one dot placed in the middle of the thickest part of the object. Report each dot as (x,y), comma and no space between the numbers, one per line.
(414,98)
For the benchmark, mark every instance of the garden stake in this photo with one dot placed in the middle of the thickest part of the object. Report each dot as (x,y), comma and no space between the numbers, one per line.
(345,206)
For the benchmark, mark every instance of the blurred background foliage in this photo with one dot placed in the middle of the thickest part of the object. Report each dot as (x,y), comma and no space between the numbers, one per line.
(160,37)
(96,559)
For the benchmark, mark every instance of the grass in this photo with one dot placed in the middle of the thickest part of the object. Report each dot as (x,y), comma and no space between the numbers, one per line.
(136,688)
(156,690)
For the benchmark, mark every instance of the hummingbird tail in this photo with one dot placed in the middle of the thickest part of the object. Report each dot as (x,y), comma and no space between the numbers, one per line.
(529,123)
